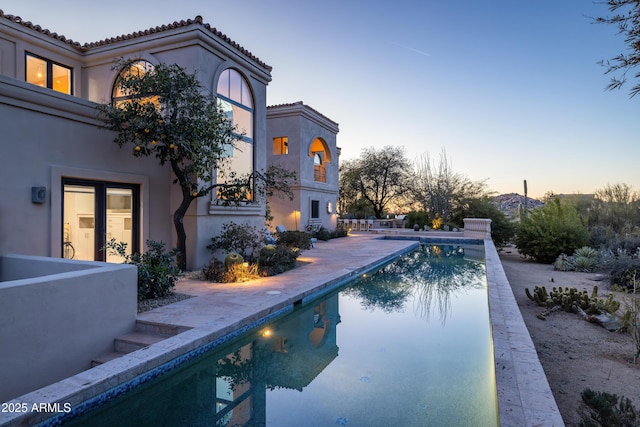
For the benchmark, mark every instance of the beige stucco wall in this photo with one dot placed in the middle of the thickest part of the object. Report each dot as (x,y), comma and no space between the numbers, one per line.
(47,135)
(57,315)
(302,125)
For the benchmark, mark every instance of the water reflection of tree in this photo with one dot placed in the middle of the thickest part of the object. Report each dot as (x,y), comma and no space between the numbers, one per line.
(432,274)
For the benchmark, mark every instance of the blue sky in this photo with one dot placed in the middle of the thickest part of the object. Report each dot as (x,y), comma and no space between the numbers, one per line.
(510,90)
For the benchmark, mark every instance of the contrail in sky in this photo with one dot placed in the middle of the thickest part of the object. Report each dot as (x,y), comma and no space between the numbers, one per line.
(418,51)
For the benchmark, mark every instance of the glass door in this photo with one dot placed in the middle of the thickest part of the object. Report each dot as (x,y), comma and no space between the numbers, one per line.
(79,222)
(94,213)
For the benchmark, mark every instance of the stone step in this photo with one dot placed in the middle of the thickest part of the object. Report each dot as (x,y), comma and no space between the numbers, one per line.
(106,358)
(136,340)
(145,334)
(160,328)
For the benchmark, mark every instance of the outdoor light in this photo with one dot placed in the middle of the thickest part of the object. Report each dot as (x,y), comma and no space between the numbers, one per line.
(329,207)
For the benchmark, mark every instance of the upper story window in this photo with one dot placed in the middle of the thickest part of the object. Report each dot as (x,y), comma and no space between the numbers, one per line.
(236,100)
(47,73)
(321,155)
(281,145)
(137,68)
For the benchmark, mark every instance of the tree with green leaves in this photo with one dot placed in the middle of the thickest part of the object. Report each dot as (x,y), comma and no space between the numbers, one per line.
(626,16)
(551,230)
(379,177)
(166,113)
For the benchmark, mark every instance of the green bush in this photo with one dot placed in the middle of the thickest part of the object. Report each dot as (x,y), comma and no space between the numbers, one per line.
(418,217)
(244,239)
(502,229)
(276,259)
(322,234)
(551,230)
(157,269)
(340,231)
(294,239)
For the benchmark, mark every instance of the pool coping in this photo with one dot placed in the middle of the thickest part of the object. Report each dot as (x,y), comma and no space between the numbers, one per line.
(524,395)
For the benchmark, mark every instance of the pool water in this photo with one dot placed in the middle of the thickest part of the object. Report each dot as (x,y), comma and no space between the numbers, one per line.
(407,345)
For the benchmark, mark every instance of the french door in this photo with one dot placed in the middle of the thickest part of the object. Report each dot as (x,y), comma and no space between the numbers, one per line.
(95,212)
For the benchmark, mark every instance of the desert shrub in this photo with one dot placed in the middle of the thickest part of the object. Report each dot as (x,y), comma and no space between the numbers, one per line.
(502,229)
(585,264)
(564,262)
(217,271)
(606,238)
(322,234)
(551,230)
(157,269)
(294,239)
(606,409)
(623,269)
(339,232)
(276,259)
(244,239)
(418,217)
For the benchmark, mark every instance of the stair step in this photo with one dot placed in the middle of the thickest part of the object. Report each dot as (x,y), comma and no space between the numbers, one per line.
(160,328)
(136,340)
(106,358)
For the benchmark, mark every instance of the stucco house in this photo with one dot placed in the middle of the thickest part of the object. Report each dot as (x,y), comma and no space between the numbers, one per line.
(303,140)
(67,189)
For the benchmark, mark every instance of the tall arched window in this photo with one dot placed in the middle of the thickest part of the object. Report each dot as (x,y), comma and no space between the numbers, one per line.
(134,68)
(236,100)
(321,155)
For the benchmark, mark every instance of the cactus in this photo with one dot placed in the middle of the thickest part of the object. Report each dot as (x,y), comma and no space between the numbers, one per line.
(572,300)
(231,259)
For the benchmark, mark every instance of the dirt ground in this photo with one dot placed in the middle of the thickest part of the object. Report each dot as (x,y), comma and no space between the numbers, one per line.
(574,353)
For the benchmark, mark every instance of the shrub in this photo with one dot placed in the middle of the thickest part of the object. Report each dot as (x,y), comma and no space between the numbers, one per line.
(157,269)
(244,239)
(295,239)
(322,234)
(605,409)
(585,264)
(623,269)
(340,231)
(216,271)
(502,229)
(276,259)
(551,230)
(421,218)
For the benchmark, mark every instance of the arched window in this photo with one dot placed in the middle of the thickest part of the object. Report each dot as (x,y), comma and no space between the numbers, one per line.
(321,155)
(236,100)
(138,68)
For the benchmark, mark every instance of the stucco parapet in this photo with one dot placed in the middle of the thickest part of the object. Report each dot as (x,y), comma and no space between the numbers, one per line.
(300,109)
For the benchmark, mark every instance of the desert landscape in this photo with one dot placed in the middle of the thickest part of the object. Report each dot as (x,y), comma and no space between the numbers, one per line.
(574,353)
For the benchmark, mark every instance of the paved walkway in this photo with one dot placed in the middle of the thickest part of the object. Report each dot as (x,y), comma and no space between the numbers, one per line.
(223,305)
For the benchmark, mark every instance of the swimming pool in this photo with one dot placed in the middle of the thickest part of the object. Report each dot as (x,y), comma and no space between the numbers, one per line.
(409,344)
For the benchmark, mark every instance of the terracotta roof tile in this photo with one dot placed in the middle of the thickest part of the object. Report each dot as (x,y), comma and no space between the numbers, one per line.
(184,23)
(301,104)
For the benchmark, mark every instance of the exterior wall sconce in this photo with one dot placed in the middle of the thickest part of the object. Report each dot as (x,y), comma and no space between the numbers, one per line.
(329,207)
(38,195)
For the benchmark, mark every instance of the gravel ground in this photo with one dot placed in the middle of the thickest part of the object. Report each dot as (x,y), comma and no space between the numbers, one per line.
(574,353)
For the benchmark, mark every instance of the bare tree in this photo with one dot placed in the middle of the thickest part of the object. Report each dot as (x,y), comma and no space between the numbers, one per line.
(626,16)
(439,190)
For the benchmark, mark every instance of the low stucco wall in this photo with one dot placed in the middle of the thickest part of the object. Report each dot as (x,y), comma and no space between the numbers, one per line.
(56,315)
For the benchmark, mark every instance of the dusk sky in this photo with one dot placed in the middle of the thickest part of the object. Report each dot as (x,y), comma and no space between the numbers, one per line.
(511,90)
